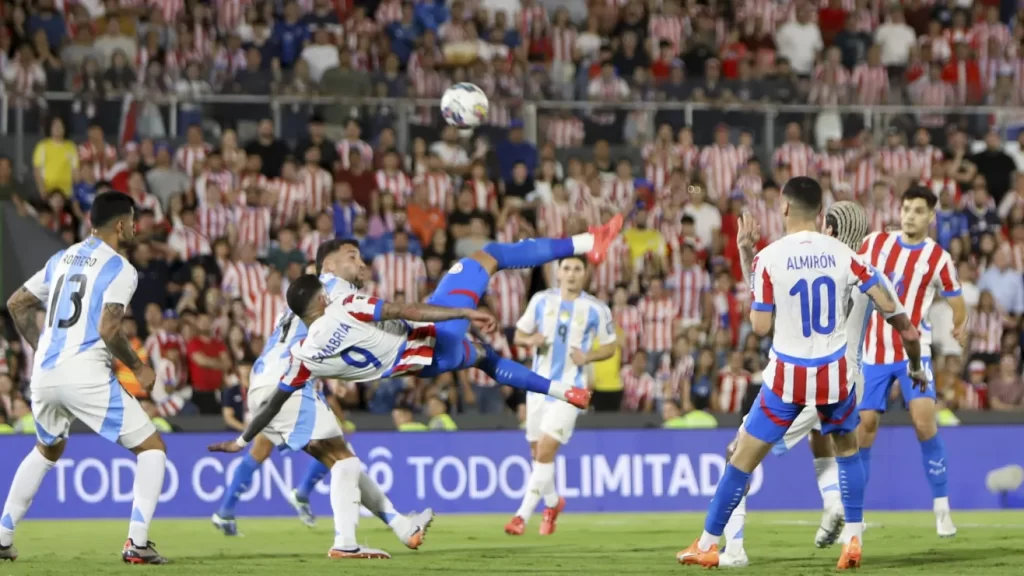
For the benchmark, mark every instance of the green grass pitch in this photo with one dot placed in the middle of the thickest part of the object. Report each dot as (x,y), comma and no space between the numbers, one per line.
(778,543)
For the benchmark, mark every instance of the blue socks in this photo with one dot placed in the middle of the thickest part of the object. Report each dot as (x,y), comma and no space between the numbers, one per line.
(240,482)
(865,458)
(530,253)
(511,373)
(314,474)
(851,487)
(730,491)
(933,453)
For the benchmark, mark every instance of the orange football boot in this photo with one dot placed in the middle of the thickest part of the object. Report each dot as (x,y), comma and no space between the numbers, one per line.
(850,557)
(578,397)
(547,526)
(693,555)
(603,237)
(515,526)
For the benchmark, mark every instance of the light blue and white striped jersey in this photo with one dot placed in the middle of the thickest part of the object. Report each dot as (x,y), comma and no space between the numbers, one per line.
(566,325)
(74,286)
(272,364)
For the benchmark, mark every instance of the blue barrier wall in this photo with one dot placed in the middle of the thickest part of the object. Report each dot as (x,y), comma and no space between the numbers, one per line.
(600,470)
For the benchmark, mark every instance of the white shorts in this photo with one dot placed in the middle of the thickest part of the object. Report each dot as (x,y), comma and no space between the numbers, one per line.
(106,408)
(548,416)
(303,418)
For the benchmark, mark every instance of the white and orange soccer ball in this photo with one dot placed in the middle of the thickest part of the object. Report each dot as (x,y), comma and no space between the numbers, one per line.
(464,105)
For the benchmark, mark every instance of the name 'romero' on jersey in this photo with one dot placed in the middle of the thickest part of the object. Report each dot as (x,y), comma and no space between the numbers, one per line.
(916,271)
(806,277)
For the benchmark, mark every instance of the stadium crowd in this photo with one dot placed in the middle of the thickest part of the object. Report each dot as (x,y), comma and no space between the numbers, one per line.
(226,221)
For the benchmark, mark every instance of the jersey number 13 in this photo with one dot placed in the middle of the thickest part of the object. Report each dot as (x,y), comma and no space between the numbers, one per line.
(80,281)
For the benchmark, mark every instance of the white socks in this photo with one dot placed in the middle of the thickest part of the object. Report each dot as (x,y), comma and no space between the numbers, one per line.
(374,499)
(827,472)
(540,485)
(345,502)
(23,489)
(734,527)
(558,389)
(851,529)
(582,243)
(707,541)
(939,505)
(149,481)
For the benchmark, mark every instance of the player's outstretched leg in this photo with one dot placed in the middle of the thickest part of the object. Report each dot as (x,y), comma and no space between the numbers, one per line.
(29,476)
(299,497)
(151,463)
(224,518)
(539,251)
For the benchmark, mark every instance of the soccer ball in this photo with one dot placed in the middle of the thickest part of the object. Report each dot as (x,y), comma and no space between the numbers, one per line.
(464,105)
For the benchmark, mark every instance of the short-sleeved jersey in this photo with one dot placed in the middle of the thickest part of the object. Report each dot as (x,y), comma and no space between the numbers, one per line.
(917,272)
(269,369)
(350,342)
(566,325)
(806,278)
(74,287)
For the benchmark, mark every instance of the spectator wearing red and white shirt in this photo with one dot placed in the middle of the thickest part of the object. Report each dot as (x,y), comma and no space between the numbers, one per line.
(439,185)
(565,130)
(720,164)
(689,284)
(214,173)
(391,179)
(215,218)
(894,157)
(400,271)
(143,199)
(639,388)
(627,318)
(607,88)
(186,240)
(292,196)
(985,328)
(506,295)
(97,153)
(270,305)
(245,278)
(733,381)
(319,183)
(193,153)
(323,232)
(658,313)
(352,142)
(923,155)
(794,154)
(871,79)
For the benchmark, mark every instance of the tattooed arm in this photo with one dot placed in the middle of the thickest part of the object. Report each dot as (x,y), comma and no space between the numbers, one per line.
(23,307)
(119,345)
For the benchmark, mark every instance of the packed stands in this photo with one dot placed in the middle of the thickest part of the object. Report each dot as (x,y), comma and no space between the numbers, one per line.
(250,131)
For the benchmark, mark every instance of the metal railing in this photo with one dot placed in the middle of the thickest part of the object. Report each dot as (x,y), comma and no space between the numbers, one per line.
(24,122)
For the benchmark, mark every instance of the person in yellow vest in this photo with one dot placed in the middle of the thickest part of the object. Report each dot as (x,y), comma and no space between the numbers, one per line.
(55,161)
(675,419)
(605,379)
(154,416)
(402,416)
(124,374)
(643,240)
(21,415)
(439,417)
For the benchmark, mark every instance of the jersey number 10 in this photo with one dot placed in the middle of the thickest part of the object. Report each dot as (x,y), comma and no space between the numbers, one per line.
(76,300)
(811,305)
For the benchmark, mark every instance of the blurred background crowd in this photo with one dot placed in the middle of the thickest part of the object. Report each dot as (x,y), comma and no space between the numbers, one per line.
(167,101)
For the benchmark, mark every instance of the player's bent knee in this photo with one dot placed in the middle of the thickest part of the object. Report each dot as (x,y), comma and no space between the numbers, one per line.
(52,452)
(152,442)
(547,449)
(749,452)
(869,420)
(329,451)
(922,415)
(845,444)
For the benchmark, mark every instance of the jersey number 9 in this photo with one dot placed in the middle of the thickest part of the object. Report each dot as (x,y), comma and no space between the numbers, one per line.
(811,305)
(76,300)
(563,330)
(357,357)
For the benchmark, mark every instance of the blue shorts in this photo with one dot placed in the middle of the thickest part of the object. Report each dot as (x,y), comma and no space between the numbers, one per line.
(462,287)
(770,417)
(878,378)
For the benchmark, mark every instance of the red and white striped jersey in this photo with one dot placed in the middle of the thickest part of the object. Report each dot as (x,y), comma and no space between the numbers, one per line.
(170,8)
(230,14)
(254,227)
(688,286)
(721,165)
(146,201)
(769,12)
(319,186)
(686,157)
(405,273)
(223,179)
(528,17)
(553,218)
(565,132)
(397,183)
(497,341)
(619,193)
(627,318)
(872,84)
(387,12)
(666,27)
(227,62)
(808,275)
(563,43)
(485,193)
(161,340)
(186,157)
(750,186)
(636,390)
(945,185)
(659,317)
(312,241)
(673,374)
(895,160)
(917,271)
(215,220)
(508,290)
(883,214)
(188,243)
(292,197)
(245,281)
(834,165)
(769,218)
(610,273)
(732,389)
(101,160)
(922,158)
(346,343)
(251,181)
(799,157)
(344,147)
(26,80)
(440,189)
(986,329)
(269,308)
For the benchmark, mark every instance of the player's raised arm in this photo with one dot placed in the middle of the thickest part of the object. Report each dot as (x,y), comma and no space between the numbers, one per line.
(763,302)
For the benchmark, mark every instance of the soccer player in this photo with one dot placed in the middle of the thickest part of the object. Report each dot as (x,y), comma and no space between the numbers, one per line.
(918,267)
(562,324)
(847,222)
(809,275)
(85,291)
(341,276)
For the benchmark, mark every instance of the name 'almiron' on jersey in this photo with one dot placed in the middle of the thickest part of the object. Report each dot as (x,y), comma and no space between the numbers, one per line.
(808,277)
(917,271)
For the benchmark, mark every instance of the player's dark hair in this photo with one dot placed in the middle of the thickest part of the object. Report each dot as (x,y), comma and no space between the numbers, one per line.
(804,193)
(301,293)
(330,247)
(107,208)
(922,192)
